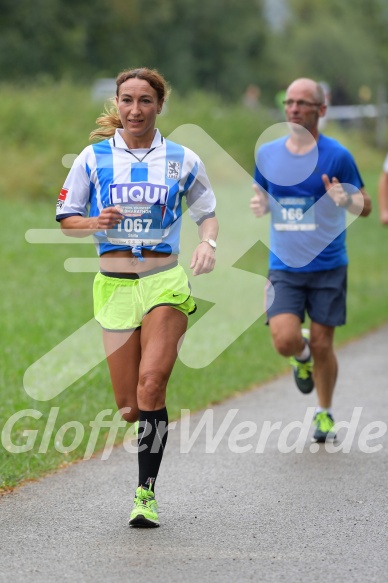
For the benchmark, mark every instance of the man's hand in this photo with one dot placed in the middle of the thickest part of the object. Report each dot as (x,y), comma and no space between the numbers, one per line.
(259,202)
(334,189)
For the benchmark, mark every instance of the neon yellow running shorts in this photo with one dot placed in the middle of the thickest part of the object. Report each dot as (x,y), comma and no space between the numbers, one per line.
(120,303)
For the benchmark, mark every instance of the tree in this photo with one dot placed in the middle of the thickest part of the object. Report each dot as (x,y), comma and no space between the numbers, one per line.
(344,44)
(215,46)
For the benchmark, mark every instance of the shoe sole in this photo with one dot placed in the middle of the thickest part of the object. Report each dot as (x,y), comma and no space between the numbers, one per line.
(307,390)
(304,390)
(141,521)
(324,439)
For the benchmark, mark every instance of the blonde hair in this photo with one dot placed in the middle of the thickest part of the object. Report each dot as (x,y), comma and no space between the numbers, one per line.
(109,121)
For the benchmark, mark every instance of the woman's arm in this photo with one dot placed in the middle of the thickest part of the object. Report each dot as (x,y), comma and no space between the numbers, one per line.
(77,226)
(204,257)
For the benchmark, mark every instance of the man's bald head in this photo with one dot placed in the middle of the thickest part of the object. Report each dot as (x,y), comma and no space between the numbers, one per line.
(309,86)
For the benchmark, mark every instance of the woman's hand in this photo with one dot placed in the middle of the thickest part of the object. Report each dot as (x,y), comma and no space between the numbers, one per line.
(109,217)
(203,259)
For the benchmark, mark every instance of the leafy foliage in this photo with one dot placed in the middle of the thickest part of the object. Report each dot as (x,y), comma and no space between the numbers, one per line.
(219,46)
(216,46)
(342,43)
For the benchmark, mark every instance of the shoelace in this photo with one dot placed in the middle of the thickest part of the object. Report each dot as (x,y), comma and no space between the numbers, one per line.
(324,422)
(145,497)
(304,369)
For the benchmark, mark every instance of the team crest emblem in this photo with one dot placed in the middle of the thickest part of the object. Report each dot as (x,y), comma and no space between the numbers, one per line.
(173,169)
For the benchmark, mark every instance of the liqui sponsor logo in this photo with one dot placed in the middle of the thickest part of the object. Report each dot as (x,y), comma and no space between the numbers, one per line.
(138,192)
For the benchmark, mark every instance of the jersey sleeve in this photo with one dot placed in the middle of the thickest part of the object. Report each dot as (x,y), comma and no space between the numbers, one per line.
(74,197)
(385,165)
(349,174)
(200,197)
(257,175)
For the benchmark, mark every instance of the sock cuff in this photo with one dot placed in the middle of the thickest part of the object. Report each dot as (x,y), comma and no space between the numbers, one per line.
(158,415)
(305,355)
(323,409)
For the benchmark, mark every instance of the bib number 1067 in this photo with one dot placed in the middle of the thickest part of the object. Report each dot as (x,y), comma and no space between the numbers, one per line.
(135,225)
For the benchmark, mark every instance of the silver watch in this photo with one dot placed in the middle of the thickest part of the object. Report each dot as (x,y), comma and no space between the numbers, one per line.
(211,242)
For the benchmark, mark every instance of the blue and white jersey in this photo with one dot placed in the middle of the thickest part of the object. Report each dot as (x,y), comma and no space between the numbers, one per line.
(147,186)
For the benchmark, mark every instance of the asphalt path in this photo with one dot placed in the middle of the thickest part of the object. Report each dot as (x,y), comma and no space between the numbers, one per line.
(243,495)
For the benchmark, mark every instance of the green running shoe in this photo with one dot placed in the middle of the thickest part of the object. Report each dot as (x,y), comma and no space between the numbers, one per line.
(145,509)
(303,371)
(324,428)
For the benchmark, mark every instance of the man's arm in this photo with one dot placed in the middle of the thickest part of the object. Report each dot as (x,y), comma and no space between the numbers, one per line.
(359,203)
(367,203)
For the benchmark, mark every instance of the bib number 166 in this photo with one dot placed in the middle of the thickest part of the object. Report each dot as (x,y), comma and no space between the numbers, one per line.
(292,214)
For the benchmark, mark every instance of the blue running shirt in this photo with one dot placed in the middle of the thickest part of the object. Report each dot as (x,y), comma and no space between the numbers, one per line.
(306,235)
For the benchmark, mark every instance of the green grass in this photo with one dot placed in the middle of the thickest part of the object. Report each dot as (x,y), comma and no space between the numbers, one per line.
(42,303)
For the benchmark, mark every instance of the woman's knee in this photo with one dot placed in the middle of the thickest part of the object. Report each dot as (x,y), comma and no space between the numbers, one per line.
(152,390)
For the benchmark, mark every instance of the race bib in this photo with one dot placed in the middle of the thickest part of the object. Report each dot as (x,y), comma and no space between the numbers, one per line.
(291,215)
(142,206)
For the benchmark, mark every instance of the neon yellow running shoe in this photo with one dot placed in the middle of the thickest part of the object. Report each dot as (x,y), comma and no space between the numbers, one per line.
(145,509)
(303,371)
(324,428)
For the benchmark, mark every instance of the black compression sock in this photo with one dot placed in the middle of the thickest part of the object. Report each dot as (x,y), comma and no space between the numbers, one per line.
(152,438)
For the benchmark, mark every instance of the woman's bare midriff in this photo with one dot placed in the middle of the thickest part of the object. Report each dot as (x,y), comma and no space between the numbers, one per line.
(124,262)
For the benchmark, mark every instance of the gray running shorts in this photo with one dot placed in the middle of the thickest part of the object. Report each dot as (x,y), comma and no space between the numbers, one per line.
(320,294)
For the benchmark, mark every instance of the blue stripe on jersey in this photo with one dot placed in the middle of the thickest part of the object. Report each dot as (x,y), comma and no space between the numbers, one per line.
(139,172)
(94,210)
(104,159)
(174,153)
(191,177)
(104,168)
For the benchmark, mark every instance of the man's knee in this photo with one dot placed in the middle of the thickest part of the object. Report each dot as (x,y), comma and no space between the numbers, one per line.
(321,346)
(284,343)
(321,341)
(286,334)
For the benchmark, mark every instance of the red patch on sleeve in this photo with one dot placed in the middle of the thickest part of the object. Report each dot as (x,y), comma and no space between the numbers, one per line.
(63,194)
